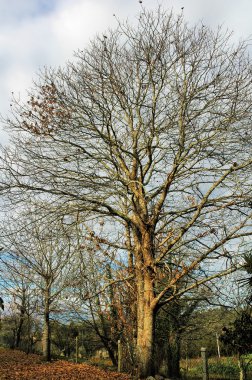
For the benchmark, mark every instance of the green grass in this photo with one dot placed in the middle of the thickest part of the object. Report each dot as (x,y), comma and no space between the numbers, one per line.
(219,368)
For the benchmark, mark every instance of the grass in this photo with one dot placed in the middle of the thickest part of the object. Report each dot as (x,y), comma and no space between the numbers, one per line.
(219,368)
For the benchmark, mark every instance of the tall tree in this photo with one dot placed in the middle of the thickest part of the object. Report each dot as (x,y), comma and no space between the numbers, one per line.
(147,128)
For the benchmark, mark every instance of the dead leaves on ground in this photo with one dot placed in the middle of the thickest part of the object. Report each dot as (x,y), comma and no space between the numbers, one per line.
(17,365)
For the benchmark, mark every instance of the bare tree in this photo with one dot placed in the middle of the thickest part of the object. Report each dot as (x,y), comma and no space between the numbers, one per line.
(148,128)
(99,282)
(46,253)
(22,298)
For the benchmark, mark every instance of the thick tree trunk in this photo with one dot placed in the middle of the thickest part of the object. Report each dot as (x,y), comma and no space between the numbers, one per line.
(145,280)
(46,339)
(145,326)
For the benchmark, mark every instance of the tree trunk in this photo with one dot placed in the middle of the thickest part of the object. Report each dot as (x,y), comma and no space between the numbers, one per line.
(19,330)
(145,280)
(46,339)
(29,335)
(109,345)
(242,368)
(21,319)
(105,335)
(173,356)
(145,327)
(167,358)
(20,326)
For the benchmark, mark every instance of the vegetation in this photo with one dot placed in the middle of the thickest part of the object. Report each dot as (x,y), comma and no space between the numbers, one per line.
(126,189)
(219,368)
(239,336)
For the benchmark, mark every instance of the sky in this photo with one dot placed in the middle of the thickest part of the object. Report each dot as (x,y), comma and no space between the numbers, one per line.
(38,33)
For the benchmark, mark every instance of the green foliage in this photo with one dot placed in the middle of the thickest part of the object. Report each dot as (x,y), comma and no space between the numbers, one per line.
(202,329)
(29,333)
(239,337)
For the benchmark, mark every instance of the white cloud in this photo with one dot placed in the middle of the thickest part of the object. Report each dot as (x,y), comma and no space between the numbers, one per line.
(35,33)
(29,41)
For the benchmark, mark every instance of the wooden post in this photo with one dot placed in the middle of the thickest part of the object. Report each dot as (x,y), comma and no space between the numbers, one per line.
(204,363)
(119,369)
(76,349)
(218,345)
(187,364)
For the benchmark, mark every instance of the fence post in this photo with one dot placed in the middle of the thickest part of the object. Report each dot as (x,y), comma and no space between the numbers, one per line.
(119,369)
(218,345)
(204,363)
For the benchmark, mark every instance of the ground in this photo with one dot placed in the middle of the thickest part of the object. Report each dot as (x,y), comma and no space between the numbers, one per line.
(17,365)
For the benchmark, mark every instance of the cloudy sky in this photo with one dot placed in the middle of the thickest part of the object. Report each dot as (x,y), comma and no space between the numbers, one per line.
(37,33)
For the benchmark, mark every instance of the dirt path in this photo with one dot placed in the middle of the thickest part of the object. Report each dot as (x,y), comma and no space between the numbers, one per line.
(16,365)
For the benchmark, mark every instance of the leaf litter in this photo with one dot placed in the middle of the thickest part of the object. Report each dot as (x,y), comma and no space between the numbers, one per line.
(17,365)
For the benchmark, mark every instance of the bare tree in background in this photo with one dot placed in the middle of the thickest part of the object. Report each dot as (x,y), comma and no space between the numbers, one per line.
(45,252)
(104,291)
(22,297)
(149,129)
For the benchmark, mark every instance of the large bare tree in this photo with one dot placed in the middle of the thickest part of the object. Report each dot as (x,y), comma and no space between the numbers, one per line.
(148,129)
